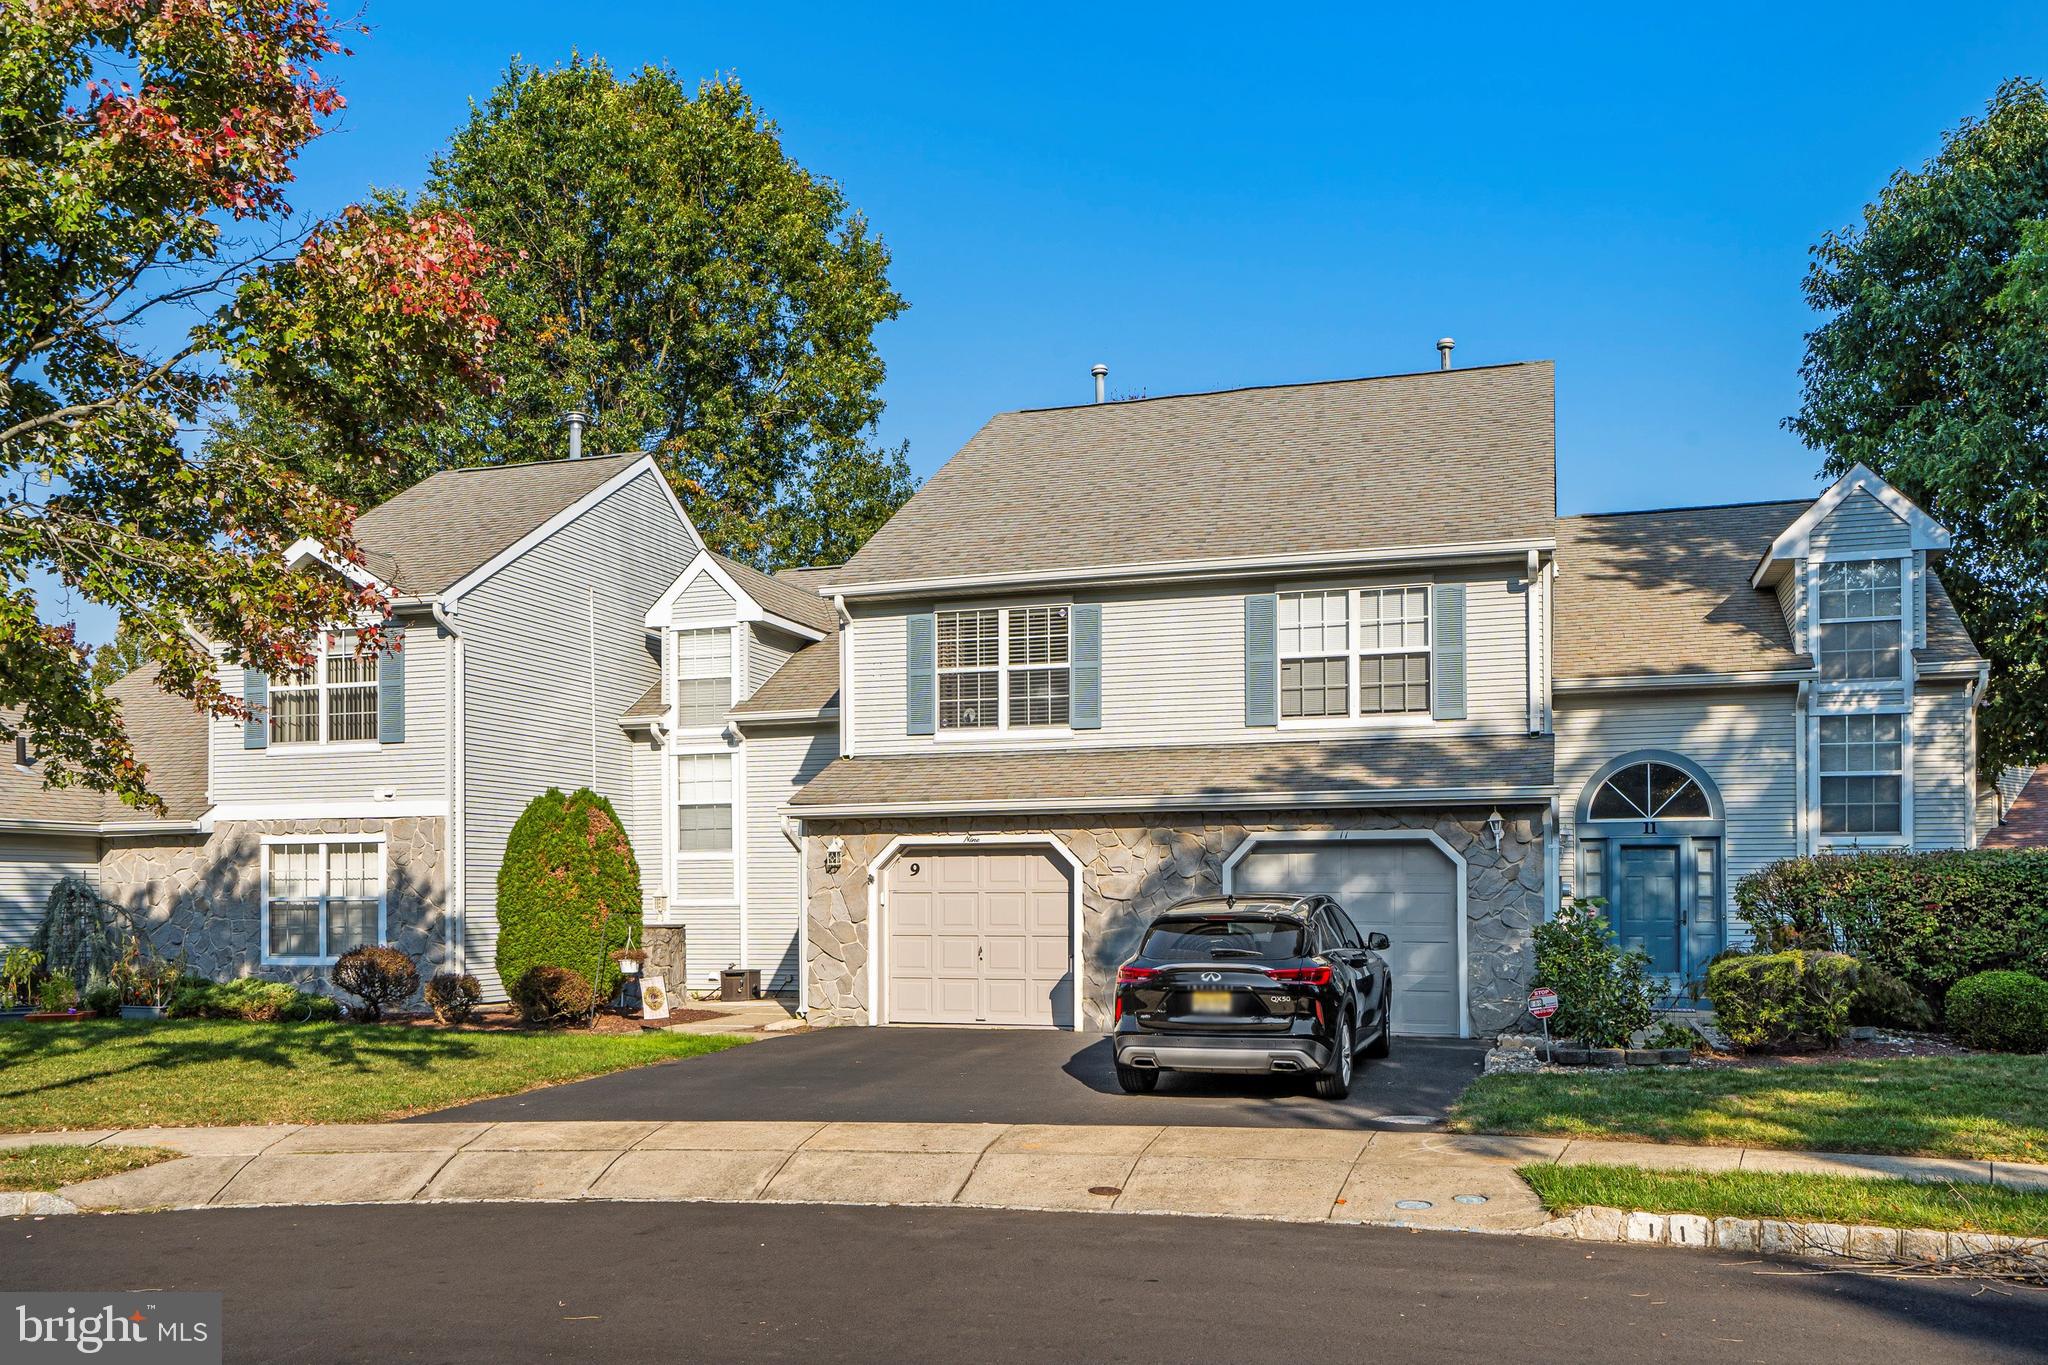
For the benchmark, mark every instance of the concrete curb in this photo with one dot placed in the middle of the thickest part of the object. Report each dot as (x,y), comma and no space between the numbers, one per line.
(34,1204)
(1781,1237)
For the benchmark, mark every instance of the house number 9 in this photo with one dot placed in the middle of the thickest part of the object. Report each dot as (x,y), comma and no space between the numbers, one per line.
(915,868)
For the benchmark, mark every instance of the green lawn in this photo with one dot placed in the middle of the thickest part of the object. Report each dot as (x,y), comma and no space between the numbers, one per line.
(1972,1107)
(50,1166)
(109,1074)
(1957,1207)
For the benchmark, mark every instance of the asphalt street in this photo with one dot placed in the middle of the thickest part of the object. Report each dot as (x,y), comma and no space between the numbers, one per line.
(950,1075)
(737,1282)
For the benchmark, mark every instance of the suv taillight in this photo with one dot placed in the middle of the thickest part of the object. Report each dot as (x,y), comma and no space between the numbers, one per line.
(1126,976)
(1307,976)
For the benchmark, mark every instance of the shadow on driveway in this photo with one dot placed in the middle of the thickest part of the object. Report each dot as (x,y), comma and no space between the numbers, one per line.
(948,1075)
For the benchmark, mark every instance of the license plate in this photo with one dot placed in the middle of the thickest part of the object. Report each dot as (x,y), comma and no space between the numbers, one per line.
(1211,1002)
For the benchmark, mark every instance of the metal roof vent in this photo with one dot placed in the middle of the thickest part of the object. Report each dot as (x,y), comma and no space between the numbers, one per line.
(576,421)
(1443,352)
(1101,373)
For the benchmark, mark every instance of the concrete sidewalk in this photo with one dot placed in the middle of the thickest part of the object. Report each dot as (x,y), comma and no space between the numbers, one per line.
(1425,1180)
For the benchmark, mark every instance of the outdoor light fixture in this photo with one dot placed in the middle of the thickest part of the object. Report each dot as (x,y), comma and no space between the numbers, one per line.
(1495,827)
(835,856)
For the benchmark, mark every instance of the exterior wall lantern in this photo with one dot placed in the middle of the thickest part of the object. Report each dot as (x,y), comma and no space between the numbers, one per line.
(1496,828)
(835,855)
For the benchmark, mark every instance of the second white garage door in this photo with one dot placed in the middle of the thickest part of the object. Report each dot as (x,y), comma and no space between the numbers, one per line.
(1406,889)
(978,937)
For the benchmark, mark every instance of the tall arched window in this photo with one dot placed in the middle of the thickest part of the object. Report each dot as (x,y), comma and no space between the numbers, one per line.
(1650,843)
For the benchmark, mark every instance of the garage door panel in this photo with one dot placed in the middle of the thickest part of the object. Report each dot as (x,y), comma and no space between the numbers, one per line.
(996,940)
(1403,888)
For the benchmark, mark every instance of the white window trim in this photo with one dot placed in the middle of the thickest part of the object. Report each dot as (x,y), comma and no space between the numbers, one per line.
(1904,837)
(1355,719)
(969,734)
(1814,620)
(672,677)
(322,842)
(677,753)
(323,689)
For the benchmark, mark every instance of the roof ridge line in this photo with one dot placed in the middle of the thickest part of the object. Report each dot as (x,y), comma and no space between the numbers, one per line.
(1289,384)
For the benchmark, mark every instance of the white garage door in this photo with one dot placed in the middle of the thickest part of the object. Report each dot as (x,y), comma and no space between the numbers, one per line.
(978,937)
(1405,889)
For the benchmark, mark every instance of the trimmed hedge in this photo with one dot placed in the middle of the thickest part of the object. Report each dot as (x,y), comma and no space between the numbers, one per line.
(253,999)
(1930,919)
(378,976)
(568,890)
(453,998)
(2000,1012)
(1773,1001)
(552,995)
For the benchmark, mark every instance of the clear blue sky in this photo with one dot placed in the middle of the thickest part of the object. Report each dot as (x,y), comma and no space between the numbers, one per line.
(1205,197)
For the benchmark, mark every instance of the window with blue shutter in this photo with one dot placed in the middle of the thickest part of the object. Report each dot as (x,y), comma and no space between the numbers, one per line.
(1261,660)
(920,676)
(256,692)
(391,686)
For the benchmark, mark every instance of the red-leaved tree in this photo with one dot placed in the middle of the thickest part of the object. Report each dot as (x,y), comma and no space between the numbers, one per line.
(148,260)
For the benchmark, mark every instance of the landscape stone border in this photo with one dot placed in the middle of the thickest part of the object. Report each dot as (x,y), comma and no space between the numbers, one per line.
(1783,1237)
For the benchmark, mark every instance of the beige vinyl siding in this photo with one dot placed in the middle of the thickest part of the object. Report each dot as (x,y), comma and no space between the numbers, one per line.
(30,864)
(1173,664)
(644,822)
(778,764)
(1860,527)
(767,650)
(416,767)
(707,905)
(703,603)
(1745,740)
(540,711)
(1942,779)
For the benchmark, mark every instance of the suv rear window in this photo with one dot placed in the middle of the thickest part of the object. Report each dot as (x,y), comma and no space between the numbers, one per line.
(1199,940)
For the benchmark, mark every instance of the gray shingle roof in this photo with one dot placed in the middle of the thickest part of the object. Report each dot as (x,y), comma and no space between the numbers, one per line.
(1454,456)
(1948,640)
(1643,593)
(784,598)
(169,737)
(648,706)
(1267,773)
(445,527)
(808,682)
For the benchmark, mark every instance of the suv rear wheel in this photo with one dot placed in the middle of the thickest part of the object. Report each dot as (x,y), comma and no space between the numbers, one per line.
(1137,1080)
(1335,1081)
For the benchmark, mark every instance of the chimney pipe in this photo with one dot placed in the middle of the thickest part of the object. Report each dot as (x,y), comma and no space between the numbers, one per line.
(1443,352)
(577,421)
(1101,373)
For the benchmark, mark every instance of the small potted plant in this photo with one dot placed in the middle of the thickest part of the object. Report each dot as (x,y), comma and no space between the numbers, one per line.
(146,981)
(55,1000)
(17,975)
(629,960)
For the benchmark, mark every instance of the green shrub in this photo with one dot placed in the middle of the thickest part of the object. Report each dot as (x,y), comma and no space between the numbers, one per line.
(81,936)
(56,995)
(568,890)
(379,977)
(1604,996)
(250,998)
(1883,1001)
(552,995)
(104,1000)
(453,998)
(2000,1011)
(1772,1001)
(1930,919)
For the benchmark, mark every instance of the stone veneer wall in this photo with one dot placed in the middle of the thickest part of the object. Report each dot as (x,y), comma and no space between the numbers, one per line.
(1134,867)
(201,896)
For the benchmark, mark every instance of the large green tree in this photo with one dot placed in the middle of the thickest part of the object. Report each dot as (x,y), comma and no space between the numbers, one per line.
(147,258)
(1932,369)
(676,274)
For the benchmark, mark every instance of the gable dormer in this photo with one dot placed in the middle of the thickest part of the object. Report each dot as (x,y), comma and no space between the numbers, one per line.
(1851,576)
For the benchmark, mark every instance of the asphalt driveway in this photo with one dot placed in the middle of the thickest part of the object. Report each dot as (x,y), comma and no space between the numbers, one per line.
(948,1075)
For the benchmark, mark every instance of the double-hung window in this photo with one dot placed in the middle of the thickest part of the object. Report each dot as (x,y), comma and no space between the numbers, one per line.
(321,898)
(704,803)
(1862,772)
(703,678)
(332,700)
(1859,621)
(1004,668)
(1382,633)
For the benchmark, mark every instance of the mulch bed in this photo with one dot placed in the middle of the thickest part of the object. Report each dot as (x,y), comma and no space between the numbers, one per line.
(1884,1047)
(505,1019)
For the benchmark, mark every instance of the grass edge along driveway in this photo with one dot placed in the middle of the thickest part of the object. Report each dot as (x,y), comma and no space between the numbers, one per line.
(1980,1108)
(51,1166)
(110,1074)
(1947,1206)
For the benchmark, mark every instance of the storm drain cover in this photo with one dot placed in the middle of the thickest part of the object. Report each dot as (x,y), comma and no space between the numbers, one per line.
(1469,1198)
(1413,1204)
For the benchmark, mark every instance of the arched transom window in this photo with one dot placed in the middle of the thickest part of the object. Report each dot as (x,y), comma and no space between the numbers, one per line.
(1651,791)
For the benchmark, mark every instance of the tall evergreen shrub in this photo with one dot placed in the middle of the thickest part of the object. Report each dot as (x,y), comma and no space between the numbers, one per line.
(568,890)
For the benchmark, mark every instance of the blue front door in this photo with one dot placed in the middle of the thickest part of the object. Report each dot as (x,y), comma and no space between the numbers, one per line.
(1646,903)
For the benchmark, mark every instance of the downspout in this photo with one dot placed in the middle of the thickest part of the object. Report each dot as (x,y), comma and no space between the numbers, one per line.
(456,949)
(1531,644)
(1553,867)
(1802,842)
(845,618)
(793,830)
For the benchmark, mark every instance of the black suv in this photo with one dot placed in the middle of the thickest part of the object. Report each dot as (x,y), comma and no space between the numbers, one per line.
(1252,984)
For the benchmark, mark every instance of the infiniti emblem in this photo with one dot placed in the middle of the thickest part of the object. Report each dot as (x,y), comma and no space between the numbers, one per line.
(1212,976)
